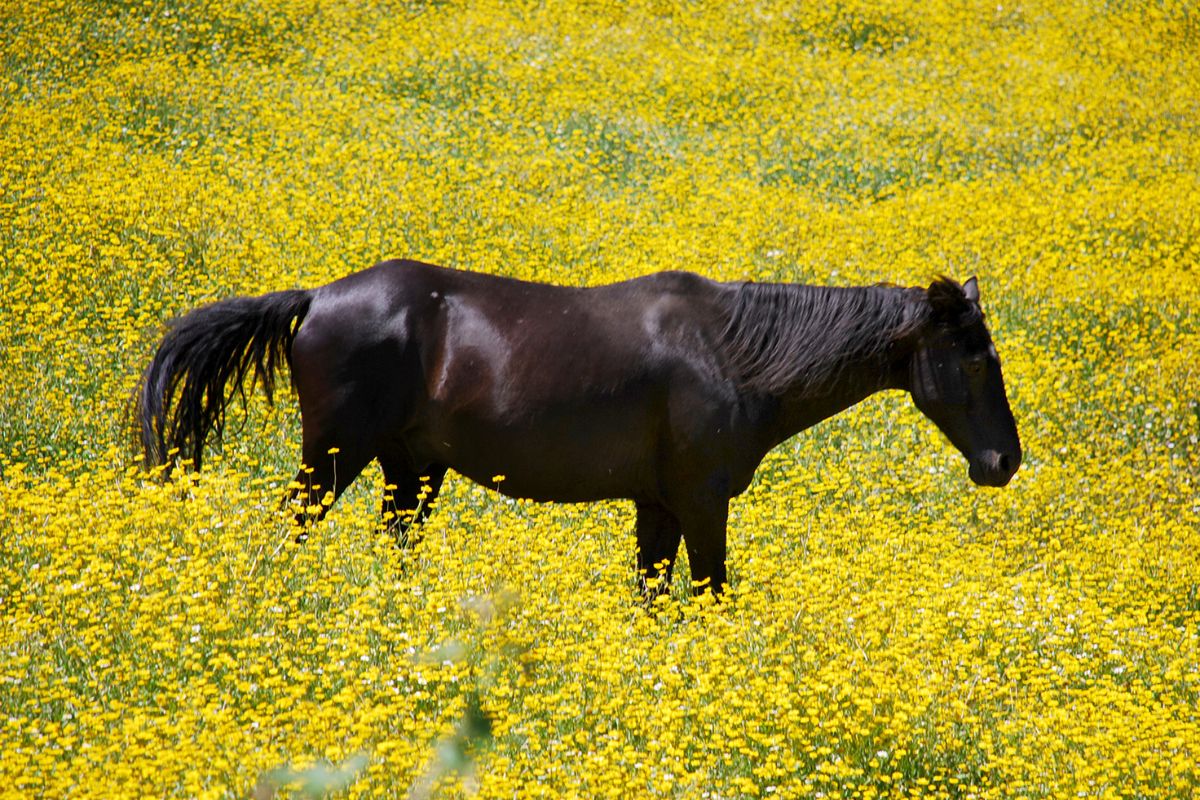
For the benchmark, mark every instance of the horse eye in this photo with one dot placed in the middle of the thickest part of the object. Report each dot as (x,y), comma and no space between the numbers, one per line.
(974,366)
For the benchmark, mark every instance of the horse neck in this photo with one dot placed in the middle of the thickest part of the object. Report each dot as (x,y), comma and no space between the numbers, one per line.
(801,407)
(815,351)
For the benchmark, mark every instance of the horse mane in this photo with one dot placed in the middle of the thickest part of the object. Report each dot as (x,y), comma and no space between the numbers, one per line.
(782,335)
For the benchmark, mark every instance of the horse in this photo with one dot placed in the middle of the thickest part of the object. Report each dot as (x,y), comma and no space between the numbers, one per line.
(667,390)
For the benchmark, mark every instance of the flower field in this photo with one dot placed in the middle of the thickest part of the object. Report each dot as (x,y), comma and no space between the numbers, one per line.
(891,629)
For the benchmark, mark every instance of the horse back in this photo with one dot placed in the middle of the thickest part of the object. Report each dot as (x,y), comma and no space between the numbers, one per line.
(473,332)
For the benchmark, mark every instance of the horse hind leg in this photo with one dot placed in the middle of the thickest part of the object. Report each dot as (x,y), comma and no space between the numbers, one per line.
(327,471)
(408,497)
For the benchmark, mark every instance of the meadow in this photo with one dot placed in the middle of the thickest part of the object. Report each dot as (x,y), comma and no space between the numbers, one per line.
(891,629)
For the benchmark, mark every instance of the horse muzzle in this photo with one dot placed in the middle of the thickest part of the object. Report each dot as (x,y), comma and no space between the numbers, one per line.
(993,468)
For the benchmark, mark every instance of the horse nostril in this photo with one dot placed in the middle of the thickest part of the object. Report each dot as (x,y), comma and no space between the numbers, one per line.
(994,468)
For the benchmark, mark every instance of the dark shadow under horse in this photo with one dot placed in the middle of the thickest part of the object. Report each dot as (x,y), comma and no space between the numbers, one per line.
(667,390)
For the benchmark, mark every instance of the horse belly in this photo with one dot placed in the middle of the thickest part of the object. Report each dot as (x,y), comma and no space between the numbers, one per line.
(579,454)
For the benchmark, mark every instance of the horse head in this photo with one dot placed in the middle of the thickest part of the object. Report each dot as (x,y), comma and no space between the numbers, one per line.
(956,381)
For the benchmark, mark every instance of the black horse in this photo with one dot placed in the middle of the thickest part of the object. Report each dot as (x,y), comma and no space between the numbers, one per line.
(667,390)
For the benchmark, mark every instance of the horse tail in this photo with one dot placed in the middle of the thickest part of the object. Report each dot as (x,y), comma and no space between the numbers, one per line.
(203,361)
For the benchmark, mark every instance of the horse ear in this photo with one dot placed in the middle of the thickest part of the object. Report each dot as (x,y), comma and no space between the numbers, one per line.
(971,289)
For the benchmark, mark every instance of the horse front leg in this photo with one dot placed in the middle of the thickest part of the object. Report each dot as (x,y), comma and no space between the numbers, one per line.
(703,524)
(658,535)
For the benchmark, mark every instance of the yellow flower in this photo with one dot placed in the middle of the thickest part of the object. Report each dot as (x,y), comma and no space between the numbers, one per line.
(890,630)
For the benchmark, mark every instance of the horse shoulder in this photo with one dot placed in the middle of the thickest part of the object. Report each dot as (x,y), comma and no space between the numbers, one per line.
(713,427)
